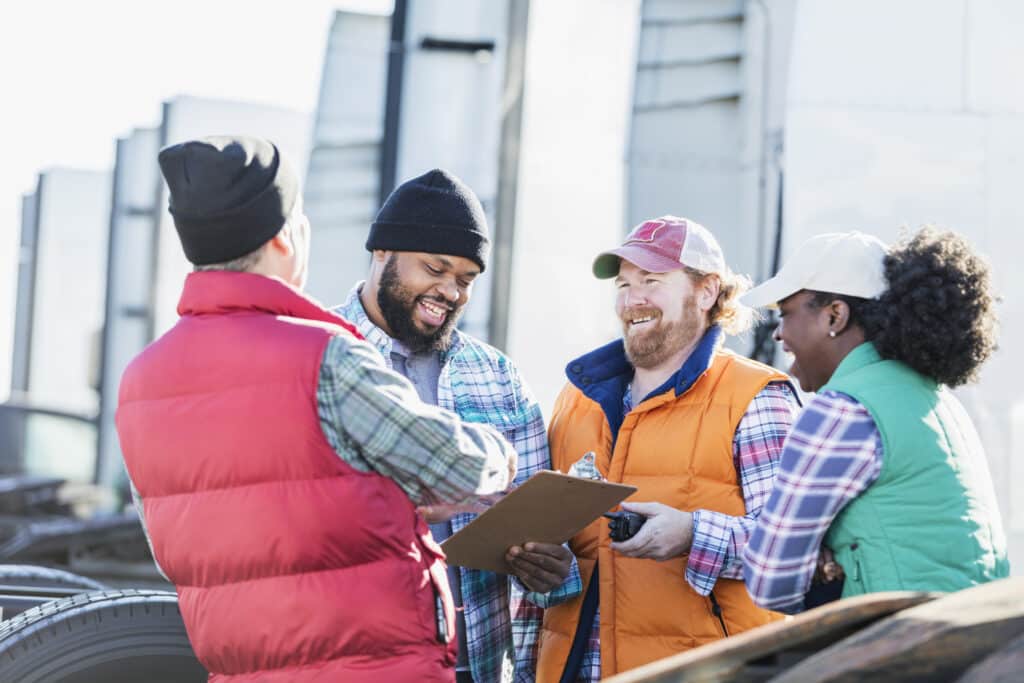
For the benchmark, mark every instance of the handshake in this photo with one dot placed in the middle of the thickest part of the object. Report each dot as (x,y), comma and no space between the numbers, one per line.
(442,512)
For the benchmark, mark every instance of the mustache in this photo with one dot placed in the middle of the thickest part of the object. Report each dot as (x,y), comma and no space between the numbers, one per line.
(639,312)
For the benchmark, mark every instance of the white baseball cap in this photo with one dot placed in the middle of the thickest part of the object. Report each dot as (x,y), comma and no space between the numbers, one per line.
(849,263)
(664,244)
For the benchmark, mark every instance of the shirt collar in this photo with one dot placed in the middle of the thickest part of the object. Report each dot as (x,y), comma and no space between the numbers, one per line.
(353,311)
(610,362)
(603,375)
(398,349)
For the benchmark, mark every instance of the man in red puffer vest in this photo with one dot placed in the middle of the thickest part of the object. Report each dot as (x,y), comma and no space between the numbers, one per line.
(277,462)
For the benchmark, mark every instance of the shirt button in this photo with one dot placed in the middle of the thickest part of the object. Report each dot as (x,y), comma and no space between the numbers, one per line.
(576,368)
(854,546)
(585,381)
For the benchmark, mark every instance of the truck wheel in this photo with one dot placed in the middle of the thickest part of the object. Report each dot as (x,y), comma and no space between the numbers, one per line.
(113,636)
(34,576)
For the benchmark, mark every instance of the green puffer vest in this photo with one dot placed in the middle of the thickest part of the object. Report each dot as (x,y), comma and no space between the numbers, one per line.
(930,522)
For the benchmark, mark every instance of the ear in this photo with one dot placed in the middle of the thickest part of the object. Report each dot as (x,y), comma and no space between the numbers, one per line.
(838,316)
(707,292)
(282,242)
(378,262)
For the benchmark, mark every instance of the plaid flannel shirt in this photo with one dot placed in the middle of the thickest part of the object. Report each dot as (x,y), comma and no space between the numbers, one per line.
(481,385)
(375,421)
(718,538)
(833,455)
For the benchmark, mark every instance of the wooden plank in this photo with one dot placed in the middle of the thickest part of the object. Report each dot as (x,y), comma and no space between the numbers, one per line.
(1005,665)
(759,653)
(937,640)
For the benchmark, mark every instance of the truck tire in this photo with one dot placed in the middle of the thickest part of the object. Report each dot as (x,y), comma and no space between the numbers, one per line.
(34,576)
(112,636)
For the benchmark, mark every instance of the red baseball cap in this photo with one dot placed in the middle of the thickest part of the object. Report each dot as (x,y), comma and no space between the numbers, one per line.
(664,244)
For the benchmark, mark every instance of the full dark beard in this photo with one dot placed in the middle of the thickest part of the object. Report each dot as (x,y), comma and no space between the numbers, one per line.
(397,305)
(653,347)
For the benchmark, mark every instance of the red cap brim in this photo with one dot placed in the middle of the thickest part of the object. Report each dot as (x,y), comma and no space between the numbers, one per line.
(606,265)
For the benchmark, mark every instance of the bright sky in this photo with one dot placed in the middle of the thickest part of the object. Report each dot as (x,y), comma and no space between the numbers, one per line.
(76,75)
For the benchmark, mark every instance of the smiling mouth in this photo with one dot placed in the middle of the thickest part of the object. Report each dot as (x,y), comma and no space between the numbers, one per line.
(639,321)
(434,313)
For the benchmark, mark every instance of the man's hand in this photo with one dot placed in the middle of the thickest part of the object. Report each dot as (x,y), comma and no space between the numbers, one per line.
(667,533)
(434,514)
(541,567)
(513,467)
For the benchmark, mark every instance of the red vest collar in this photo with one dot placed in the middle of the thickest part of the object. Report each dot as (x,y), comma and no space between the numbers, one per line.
(221,291)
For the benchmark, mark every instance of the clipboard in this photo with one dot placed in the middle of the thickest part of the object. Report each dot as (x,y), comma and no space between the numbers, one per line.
(550,507)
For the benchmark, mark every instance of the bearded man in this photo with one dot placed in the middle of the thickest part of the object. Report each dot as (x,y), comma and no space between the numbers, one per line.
(697,429)
(429,244)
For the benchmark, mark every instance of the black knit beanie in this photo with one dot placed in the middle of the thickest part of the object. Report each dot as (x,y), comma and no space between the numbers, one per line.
(228,195)
(435,213)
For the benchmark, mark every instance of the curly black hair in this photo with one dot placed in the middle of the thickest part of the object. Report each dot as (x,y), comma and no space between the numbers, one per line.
(938,314)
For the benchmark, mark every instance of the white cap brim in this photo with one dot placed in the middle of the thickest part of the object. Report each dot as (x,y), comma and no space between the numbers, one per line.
(769,293)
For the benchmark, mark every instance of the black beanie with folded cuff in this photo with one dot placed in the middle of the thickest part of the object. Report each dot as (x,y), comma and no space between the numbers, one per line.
(229,195)
(434,213)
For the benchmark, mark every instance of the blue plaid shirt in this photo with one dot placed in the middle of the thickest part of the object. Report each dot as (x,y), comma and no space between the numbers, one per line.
(480,384)
(832,455)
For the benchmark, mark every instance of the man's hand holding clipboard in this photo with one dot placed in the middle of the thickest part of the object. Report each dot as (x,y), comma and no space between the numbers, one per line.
(549,508)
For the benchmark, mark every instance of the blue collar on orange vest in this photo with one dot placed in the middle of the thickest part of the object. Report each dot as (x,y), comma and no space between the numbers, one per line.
(604,373)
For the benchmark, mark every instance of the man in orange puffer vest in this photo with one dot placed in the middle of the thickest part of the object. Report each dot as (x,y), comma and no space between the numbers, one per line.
(279,462)
(697,429)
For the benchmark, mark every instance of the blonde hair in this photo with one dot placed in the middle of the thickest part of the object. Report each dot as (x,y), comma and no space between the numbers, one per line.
(727,312)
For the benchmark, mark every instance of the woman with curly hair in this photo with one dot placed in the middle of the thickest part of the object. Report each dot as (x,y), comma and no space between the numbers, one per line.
(883,477)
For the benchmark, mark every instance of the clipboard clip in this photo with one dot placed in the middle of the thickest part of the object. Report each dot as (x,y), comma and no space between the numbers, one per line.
(586,468)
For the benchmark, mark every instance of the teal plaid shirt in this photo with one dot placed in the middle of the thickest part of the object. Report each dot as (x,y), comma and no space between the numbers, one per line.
(481,385)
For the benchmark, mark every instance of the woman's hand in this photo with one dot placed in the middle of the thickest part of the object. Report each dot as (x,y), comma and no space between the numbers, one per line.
(828,570)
